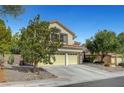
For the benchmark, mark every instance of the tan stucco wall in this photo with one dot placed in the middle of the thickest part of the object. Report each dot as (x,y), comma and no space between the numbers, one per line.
(70,36)
(17,58)
(119,60)
(116,60)
(113,61)
(70,39)
(106,58)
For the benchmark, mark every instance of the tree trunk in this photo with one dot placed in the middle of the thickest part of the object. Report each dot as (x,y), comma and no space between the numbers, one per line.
(102,56)
(35,68)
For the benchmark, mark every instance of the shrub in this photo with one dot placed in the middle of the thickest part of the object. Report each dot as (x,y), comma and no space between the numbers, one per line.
(106,65)
(98,62)
(11,59)
(121,64)
(87,60)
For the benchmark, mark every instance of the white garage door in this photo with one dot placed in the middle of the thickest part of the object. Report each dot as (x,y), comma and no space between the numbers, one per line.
(72,59)
(60,60)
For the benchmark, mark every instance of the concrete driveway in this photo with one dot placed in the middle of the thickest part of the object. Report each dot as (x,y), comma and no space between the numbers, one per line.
(68,75)
(77,73)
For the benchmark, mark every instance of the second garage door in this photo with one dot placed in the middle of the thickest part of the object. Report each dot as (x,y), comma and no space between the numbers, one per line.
(72,59)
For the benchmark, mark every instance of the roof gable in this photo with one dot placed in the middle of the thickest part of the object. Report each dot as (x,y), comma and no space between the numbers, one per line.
(72,33)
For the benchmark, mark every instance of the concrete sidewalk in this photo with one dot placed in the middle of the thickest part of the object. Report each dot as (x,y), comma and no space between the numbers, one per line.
(67,75)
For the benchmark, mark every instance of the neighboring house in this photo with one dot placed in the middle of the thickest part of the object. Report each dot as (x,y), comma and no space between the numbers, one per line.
(112,59)
(71,51)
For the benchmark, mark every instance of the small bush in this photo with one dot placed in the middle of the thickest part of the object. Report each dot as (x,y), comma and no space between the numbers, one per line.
(106,65)
(121,64)
(99,62)
(24,63)
(87,60)
(11,59)
(21,63)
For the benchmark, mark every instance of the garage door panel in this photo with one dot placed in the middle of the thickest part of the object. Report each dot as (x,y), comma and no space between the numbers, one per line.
(60,60)
(72,59)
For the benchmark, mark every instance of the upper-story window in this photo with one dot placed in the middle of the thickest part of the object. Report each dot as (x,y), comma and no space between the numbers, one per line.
(64,38)
(54,36)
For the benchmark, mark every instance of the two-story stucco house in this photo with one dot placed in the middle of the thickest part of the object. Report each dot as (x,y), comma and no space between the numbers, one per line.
(71,50)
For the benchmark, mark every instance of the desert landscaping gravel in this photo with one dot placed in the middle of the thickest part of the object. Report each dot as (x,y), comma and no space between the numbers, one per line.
(16,73)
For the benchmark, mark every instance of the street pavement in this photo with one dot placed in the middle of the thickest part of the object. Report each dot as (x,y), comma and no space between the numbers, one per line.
(113,82)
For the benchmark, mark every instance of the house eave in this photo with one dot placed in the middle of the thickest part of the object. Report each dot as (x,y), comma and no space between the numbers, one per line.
(70,50)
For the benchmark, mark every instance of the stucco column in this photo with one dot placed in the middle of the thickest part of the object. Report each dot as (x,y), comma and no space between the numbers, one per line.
(66,59)
(80,58)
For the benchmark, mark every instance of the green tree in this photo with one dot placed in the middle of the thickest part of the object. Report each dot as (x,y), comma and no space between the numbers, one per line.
(36,44)
(104,42)
(120,39)
(12,10)
(15,41)
(91,46)
(5,38)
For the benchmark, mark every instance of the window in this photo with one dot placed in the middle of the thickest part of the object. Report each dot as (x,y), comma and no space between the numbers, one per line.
(54,36)
(64,38)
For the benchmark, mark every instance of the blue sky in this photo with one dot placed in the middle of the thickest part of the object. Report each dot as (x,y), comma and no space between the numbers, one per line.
(85,21)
